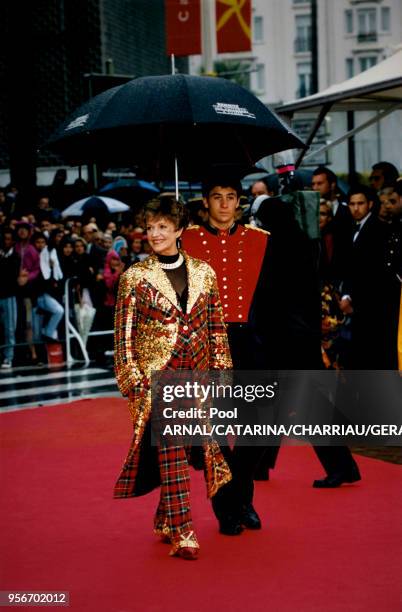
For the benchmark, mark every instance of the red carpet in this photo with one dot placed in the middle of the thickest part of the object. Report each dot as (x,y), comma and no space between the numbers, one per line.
(61,530)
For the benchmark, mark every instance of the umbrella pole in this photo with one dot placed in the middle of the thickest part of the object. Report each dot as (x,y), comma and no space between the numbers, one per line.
(176,177)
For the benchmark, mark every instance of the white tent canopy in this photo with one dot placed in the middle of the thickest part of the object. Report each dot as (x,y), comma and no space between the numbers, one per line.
(378,89)
(374,89)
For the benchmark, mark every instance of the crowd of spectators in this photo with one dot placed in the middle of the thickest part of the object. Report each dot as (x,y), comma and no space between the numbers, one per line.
(40,251)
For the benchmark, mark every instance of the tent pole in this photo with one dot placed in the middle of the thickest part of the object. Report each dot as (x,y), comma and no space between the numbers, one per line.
(313,132)
(350,117)
(355,130)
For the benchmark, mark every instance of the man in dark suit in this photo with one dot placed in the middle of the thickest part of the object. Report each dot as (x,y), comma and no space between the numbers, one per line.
(285,318)
(363,287)
(97,253)
(326,183)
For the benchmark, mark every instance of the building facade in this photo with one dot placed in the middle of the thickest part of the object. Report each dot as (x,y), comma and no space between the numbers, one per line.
(352,36)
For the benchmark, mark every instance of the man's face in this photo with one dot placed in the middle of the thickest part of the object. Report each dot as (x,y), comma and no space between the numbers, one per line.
(259,188)
(45,226)
(321,184)
(391,204)
(8,241)
(88,234)
(43,203)
(222,203)
(359,206)
(376,180)
(40,244)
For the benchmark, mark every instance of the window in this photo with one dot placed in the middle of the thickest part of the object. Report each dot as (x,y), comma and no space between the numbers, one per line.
(385,19)
(367,24)
(303,33)
(258,30)
(303,80)
(349,67)
(260,77)
(367,62)
(349,22)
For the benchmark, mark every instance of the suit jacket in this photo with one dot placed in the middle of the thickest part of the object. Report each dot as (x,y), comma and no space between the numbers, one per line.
(152,333)
(365,272)
(285,314)
(365,282)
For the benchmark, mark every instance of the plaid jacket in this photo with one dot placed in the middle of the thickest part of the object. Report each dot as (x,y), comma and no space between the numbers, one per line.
(152,333)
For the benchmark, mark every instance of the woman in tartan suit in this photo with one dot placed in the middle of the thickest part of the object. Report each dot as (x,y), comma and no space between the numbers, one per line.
(168,317)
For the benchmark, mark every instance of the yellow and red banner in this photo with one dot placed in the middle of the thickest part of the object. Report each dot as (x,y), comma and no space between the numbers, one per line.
(233,25)
(183,27)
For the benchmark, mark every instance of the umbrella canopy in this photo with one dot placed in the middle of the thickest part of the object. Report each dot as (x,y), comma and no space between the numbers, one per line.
(130,189)
(151,121)
(94,204)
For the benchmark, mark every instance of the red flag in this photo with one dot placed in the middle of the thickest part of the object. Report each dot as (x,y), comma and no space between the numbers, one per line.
(183,27)
(233,25)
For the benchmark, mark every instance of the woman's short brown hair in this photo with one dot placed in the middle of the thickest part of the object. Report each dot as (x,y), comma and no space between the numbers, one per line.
(166,205)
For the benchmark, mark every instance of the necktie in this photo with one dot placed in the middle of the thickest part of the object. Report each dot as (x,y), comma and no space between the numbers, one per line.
(356,229)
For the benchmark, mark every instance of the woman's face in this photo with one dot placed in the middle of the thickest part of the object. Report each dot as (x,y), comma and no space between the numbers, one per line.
(114,263)
(325,215)
(162,235)
(79,247)
(67,249)
(107,241)
(136,245)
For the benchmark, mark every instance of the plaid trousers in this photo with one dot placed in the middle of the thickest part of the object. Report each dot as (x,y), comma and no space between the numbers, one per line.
(173,515)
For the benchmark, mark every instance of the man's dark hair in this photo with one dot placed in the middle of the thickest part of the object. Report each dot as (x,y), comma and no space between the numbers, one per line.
(331,176)
(369,193)
(223,180)
(389,172)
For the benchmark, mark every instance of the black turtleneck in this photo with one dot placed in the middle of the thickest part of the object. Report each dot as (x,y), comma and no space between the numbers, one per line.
(177,277)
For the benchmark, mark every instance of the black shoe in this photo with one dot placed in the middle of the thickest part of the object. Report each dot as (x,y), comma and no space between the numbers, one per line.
(261,474)
(336,480)
(249,518)
(230,526)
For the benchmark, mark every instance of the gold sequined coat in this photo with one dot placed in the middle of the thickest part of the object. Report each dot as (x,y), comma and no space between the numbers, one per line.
(151,333)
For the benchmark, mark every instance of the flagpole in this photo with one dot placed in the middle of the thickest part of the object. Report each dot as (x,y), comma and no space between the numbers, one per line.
(206,29)
(176,169)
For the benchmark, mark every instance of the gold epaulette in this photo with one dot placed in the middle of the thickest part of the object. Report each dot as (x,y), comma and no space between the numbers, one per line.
(257,229)
(190,227)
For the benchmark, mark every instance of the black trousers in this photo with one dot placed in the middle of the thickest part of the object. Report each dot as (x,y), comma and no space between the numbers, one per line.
(334,459)
(244,460)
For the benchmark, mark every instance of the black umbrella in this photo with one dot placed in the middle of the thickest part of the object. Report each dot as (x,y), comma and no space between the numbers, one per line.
(152,121)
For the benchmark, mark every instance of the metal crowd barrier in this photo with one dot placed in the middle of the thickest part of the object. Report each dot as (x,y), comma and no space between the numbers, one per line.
(72,332)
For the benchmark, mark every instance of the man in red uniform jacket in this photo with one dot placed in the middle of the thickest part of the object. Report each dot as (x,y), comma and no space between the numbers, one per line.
(236,253)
